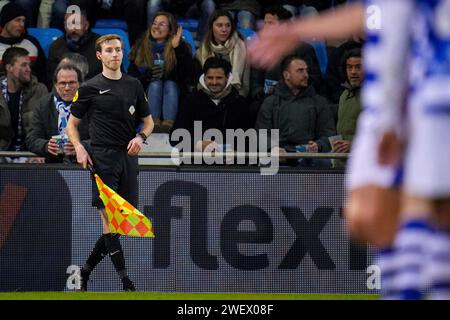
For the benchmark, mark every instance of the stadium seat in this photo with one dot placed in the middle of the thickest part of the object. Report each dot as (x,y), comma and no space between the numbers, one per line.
(247,33)
(321,53)
(189,24)
(45,36)
(187,36)
(126,42)
(111,24)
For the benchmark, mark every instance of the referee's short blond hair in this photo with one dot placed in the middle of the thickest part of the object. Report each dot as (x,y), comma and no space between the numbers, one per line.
(106,38)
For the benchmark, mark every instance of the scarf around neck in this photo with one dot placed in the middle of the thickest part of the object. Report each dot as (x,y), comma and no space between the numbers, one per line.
(215,97)
(18,143)
(63,110)
(234,49)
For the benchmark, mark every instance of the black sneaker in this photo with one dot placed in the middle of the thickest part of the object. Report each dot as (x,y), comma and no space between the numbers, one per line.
(128,285)
(84,278)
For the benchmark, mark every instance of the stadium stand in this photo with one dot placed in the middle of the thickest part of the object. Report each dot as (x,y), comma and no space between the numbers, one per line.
(188,24)
(111,24)
(45,36)
(187,36)
(247,33)
(321,53)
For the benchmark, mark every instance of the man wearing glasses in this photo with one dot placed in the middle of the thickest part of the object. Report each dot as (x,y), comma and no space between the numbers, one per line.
(48,136)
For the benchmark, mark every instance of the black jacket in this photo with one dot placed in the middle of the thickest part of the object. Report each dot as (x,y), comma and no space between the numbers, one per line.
(59,48)
(44,125)
(230,113)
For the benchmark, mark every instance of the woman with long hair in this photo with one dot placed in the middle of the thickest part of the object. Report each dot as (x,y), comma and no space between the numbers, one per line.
(224,40)
(162,61)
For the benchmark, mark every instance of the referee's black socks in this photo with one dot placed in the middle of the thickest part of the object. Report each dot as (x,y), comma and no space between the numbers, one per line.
(98,253)
(115,251)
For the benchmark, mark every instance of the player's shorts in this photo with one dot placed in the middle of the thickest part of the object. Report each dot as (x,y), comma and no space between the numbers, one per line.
(363,168)
(118,171)
(427,162)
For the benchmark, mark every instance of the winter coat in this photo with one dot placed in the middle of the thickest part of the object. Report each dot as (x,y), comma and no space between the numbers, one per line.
(31,95)
(44,125)
(300,118)
(87,49)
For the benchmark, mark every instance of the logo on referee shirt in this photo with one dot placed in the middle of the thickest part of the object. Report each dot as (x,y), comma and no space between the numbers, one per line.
(131,110)
(75,97)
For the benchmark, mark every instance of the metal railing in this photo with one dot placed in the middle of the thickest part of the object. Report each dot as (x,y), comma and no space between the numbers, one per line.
(187,155)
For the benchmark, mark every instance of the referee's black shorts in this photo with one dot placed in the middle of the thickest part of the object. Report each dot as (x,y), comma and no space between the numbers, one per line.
(118,171)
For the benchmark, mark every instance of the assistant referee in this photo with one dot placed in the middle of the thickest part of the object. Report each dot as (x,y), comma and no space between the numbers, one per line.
(114,102)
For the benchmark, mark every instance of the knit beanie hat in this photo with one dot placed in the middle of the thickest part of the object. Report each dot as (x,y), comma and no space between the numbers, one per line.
(9,12)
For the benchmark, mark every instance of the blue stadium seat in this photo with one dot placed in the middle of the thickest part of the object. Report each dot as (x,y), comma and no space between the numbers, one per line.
(111,24)
(189,24)
(321,53)
(126,42)
(45,36)
(187,36)
(247,33)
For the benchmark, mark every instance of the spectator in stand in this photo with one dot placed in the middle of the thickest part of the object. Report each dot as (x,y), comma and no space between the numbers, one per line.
(245,12)
(349,103)
(52,114)
(31,8)
(263,81)
(334,76)
(299,7)
(79,61)
(13,33)
(162,61)
(302,116)
(45,13)
(19,96)
(77,39)
(132,11)
(224,40)
(216,103)
(196,9)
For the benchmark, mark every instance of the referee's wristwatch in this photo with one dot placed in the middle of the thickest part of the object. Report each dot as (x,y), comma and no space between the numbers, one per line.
(143,136)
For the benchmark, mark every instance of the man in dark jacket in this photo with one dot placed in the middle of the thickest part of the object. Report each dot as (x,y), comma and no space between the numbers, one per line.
(302,116)
(77,39)
(51,115)
(20,92)
(216,103)
(263,81)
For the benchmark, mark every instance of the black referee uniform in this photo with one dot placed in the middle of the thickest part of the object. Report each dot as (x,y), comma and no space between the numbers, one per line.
(113,108)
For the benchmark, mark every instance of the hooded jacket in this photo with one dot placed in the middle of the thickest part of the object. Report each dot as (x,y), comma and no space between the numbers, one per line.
(300,118)
(228,112)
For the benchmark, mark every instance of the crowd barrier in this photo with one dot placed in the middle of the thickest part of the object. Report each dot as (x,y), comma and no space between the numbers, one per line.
(217,230)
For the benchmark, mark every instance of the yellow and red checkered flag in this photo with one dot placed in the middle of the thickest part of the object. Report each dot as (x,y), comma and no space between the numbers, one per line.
(122,216)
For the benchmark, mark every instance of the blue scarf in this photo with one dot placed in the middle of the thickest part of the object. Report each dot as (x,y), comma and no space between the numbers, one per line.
(19,145)
(63,109)
(158,49)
